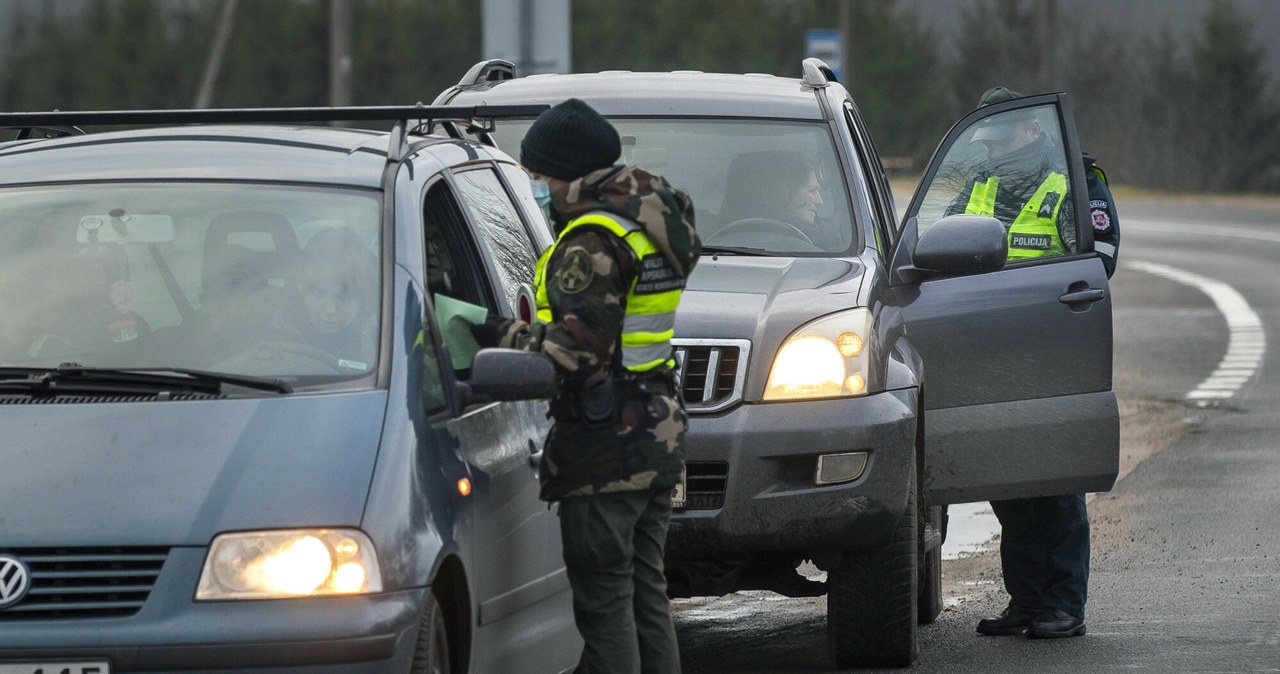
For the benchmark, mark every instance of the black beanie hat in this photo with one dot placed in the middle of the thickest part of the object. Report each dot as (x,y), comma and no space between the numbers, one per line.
(570,140)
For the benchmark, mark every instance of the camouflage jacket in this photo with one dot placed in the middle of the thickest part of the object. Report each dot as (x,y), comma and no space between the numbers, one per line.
(642,447)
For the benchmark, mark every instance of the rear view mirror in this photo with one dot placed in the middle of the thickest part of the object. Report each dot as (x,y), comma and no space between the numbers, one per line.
(508,374)
(125,228)
(959,245)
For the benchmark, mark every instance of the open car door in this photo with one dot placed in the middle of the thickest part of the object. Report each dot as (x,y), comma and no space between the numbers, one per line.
(1017,377)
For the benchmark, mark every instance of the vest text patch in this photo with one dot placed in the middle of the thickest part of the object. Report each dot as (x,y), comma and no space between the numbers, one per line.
(1036,241)
(656,276)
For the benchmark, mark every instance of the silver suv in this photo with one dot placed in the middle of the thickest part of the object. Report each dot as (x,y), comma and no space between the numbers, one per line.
(850,373)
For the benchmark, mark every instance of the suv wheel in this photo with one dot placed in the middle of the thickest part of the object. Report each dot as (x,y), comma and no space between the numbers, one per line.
(431,655)
(871,600)
(929,582)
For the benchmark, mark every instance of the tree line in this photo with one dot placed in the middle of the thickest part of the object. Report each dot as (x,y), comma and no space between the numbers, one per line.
(1184,112)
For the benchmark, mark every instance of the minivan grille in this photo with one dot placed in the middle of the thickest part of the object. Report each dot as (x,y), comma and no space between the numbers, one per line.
(704,484)
(712,372)
(85,582)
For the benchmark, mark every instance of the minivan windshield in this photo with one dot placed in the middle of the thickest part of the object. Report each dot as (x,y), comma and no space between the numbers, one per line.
(768,186)
(267,281)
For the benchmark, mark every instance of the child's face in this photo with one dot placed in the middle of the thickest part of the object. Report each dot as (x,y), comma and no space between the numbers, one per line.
(330,303)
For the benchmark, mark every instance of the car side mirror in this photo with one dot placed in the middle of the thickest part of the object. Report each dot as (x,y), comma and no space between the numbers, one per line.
(959,245)
(509,374)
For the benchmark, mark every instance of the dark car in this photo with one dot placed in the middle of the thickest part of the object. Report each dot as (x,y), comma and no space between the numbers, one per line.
(850,373)
(242,431)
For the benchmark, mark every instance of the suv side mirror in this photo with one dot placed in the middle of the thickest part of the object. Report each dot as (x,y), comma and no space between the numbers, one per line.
(958,245)
(509,374)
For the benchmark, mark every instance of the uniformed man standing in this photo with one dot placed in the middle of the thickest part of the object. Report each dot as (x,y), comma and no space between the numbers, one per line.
(1044,542)
(611,283)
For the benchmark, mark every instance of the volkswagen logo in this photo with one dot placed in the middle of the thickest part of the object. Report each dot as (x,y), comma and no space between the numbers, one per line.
(14,581)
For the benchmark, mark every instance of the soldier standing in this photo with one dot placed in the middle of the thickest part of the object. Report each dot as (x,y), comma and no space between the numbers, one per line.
(625,244)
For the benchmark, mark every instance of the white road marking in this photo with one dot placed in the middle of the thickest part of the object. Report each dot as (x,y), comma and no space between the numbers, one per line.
(1247,342)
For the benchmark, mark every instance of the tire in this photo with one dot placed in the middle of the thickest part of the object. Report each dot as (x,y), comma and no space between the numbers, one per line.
(871,600)
(929,574)
(431,655)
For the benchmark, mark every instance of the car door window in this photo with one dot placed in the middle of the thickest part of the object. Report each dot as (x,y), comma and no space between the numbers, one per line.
(881,195)
(454,265)
(1012,166)
(498,222)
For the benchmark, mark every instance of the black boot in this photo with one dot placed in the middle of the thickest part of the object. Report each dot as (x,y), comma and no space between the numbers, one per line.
(1012,620)
(1055,624)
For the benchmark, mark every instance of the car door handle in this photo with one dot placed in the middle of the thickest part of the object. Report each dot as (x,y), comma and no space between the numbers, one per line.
(1090,295)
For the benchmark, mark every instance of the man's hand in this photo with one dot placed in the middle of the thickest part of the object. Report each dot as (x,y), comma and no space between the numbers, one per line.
(490,331)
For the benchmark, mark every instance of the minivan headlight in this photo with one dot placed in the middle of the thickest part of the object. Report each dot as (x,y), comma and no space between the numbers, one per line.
(825,358)
(295,563)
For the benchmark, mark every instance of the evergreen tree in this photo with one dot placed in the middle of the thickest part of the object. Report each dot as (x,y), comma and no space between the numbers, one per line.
(1207,121)
(999,43)
(895,76)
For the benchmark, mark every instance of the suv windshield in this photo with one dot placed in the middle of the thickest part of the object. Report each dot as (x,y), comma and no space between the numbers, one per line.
(771,186)
(278,282)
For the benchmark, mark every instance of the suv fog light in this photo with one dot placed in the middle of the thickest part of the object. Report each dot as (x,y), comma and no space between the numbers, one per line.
(837,468)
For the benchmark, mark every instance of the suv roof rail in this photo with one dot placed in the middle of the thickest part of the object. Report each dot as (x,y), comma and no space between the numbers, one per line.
(491,70)
(477,117)
(817,73)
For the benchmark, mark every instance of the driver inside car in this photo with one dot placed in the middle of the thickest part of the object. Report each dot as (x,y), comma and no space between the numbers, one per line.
(334,300)
(776,192)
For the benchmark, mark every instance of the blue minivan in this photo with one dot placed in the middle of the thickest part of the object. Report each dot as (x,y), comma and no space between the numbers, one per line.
(244,428)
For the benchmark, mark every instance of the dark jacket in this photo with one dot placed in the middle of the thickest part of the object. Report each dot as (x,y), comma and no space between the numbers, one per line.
(1102,215)
(1021,172)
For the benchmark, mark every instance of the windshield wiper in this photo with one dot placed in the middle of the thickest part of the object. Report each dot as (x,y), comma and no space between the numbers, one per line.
(76,378)
(736,250)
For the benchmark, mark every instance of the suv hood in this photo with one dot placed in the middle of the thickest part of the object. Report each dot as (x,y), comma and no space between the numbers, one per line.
(735,297)
(177,473)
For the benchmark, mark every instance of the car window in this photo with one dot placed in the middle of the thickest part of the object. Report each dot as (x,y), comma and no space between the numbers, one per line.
(248,279)
(772,185)
(455,265)
(497,220)
(1011,166)
(881,195)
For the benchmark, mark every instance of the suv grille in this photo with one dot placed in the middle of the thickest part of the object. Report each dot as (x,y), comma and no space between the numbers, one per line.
(712,372)
(85,582)
(704,484)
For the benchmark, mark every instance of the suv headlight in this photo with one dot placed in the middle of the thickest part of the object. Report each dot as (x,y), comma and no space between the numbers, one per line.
(297,563)
(825,358)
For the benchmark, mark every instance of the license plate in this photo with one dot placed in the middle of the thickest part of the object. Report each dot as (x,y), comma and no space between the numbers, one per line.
(677,497)
(95,667)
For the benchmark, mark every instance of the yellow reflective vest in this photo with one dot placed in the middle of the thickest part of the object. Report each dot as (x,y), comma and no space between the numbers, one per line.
(1034,232)
(651,301)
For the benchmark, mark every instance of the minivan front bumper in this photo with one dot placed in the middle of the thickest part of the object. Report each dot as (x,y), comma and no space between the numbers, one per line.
(771,501)
(172,632)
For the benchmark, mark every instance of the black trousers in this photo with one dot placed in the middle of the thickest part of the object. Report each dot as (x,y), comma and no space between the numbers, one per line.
(613,548)
(1044,552)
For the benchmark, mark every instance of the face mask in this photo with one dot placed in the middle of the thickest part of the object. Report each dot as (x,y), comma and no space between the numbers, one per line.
(541,193)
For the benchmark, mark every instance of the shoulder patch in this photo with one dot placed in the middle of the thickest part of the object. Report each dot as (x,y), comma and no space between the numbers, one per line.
(1101,221)
(575,271)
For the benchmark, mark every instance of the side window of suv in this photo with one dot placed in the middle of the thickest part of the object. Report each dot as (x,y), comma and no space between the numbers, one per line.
(498,222)
(1011,166)
(882,196)
(454,266)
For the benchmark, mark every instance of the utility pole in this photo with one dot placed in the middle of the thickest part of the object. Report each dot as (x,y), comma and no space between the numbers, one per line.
(845,20)
(213,65)
(1049,53)
(339,52)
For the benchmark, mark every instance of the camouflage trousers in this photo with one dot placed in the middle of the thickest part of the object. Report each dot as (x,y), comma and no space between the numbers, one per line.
(613,547)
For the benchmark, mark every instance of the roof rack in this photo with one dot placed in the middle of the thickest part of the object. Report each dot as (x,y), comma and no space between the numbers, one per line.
(491,70)
(477,118)
(816,73)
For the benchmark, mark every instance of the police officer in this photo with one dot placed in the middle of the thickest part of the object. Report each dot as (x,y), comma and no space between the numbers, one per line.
(1044,542)
(607,291)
